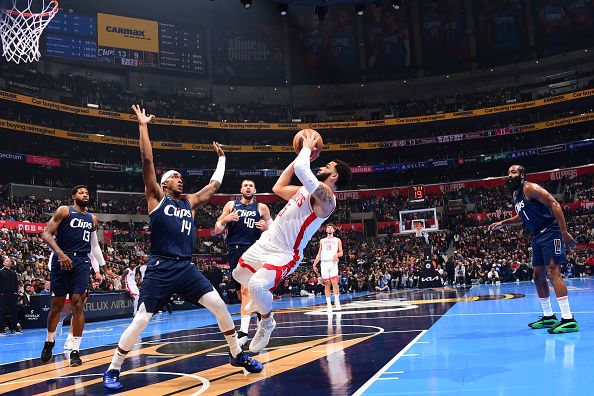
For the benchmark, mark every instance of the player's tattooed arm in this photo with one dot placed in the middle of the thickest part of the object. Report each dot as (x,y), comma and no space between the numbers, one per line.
(325,203)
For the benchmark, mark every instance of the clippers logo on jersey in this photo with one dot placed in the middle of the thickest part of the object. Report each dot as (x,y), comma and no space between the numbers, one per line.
(244,231)
(246,213)
(79,223)
(519,206)
(535,215)
(171,210)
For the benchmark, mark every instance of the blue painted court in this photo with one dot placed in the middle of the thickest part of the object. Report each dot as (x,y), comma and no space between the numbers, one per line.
(422,342)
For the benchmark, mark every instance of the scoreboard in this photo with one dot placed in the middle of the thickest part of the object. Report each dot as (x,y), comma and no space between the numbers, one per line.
(416,193)
(129,42)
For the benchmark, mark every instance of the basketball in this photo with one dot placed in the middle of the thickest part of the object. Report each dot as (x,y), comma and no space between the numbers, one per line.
(298,143)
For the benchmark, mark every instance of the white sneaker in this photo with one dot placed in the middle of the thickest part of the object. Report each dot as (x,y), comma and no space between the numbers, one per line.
(242,338)
(68,344)
(337,307)
(262,336)
(329,309)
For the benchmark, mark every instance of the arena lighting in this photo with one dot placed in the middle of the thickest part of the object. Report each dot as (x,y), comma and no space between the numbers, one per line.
(321,10)
(283,8)
(246,3)
(360,9)
(396,4)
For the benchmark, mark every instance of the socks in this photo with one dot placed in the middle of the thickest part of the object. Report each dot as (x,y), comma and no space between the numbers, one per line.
(564,305)
(233,344)
(328,302)
(76,343)
(546,306)
(117,360)
(337,300)
(245,323)
(51,336)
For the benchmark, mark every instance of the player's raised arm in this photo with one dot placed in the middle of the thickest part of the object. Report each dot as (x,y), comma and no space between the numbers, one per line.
(283,187)
(201,197)
(153,191)
(534,191)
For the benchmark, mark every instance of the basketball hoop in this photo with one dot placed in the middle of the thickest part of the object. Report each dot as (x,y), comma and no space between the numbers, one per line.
(21,27)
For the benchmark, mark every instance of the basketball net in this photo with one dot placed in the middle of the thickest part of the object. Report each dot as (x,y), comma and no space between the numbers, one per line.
(418,229)
(21,28)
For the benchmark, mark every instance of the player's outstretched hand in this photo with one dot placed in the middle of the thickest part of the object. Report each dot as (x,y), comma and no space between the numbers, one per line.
(495,226)
(141,115)
(218,149)
(309,140)
(568,240)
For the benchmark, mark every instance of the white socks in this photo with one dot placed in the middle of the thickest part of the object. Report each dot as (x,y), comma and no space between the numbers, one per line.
(245,323)
(234,347)
(76,343)
(546,306)
(337,301)
(328,302)
(51,335)
(117,360)
(564,305)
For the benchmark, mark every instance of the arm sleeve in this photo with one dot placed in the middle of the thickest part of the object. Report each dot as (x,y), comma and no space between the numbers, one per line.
(97,259)
(219,171)
(304,173)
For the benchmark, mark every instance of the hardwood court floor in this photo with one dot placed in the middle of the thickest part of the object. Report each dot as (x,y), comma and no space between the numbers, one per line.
(422,342)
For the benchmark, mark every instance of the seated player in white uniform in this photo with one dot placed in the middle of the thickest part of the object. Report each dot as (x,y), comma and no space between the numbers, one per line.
(328,253)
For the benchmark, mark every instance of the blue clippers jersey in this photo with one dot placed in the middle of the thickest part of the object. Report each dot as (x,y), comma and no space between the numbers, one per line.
(74,232)
(244,231)
(534,214)
(173,233)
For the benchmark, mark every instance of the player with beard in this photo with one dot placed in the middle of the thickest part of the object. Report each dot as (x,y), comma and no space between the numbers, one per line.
(543,216)
(279,250)
(75,238)
(245,219)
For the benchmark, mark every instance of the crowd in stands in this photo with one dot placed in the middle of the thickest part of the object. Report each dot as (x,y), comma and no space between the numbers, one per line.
(81,89)
(463,252)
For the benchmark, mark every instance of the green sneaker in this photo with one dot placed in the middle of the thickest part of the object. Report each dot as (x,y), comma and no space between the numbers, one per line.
(565,326)
(544,322)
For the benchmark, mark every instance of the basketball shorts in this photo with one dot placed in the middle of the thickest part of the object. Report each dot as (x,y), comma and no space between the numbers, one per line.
(133,290)
(329,270)
(271,261)
(165,277)
(548,245)
(74,281)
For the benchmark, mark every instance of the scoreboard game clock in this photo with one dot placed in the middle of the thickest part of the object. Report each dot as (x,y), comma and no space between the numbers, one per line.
(416,193)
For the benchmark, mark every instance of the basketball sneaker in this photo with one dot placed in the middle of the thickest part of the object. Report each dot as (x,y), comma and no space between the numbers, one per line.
(262,336)
(544,322)
(111,380)
(46,352)
(75,359)
(565,326)
(248,363)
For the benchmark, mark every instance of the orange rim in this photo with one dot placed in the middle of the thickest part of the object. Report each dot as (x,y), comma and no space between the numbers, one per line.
(30,15)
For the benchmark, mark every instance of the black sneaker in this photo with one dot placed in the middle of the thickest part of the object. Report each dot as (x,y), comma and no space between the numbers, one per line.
(75,359)
(544,322)
(46,352)
(169,308)
(565,326)
(242,338)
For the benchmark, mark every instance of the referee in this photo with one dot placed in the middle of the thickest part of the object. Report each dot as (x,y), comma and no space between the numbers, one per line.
(8,295)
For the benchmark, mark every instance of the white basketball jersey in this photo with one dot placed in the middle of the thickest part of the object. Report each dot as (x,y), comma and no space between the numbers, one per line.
(329,248)
(294,226)
(130,277)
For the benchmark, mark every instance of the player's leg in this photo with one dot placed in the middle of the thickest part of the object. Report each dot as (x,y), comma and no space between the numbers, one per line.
(555,255)
(243,293)
(57,302)
(325,274)
(336,291)
(194,287)
(548,318)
